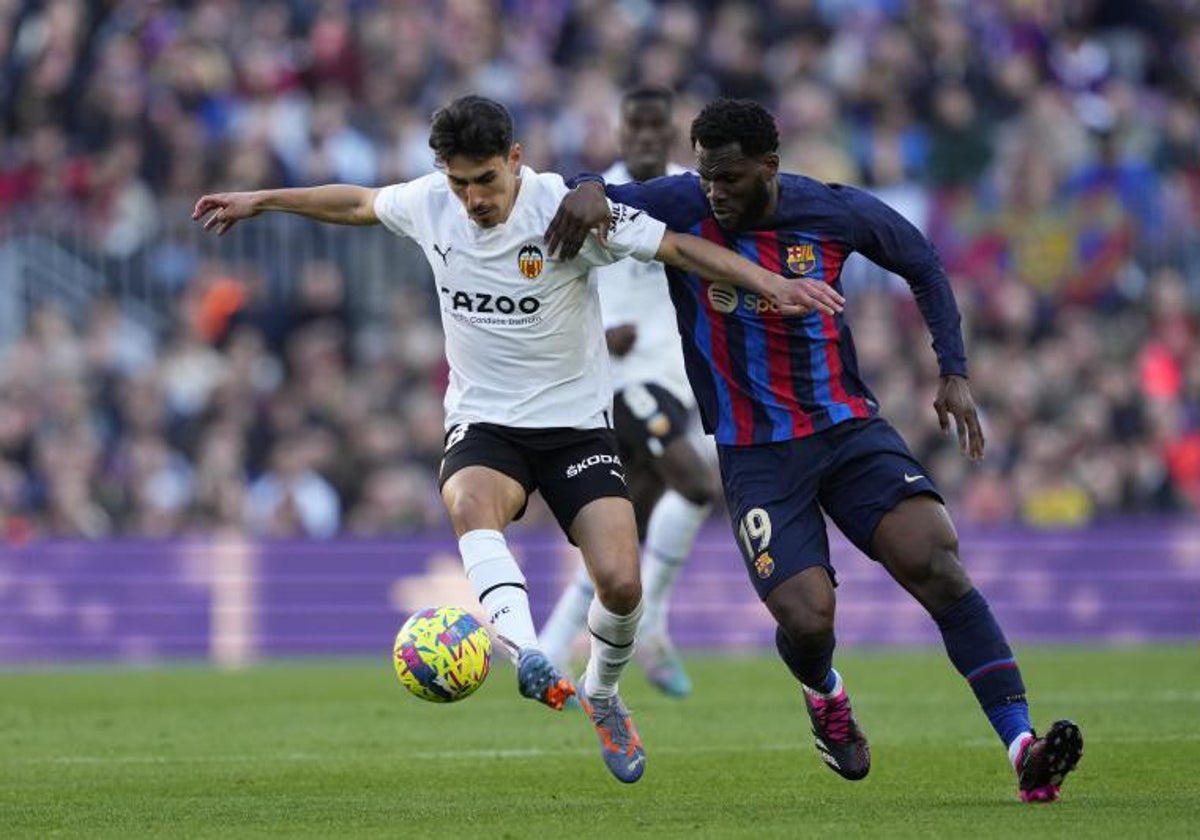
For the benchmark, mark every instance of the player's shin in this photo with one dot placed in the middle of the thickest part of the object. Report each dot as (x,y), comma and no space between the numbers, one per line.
(669,537)
(979,651)
(811,663)
(612,647)
(500,586)
(568,617)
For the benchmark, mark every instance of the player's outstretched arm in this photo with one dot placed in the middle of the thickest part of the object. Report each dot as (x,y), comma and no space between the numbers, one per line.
(341,204)
(795,297)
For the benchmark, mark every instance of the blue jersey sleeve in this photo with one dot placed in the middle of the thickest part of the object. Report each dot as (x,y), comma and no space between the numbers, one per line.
(675,200)
(889,240)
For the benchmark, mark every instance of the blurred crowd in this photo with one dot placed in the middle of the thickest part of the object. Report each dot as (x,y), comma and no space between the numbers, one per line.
(1050,149)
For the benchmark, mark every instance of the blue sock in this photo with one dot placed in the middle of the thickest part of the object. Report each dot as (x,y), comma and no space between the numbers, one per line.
(814,670)
(979,651)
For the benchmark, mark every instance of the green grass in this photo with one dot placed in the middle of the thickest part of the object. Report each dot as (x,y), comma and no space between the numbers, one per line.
(338,749)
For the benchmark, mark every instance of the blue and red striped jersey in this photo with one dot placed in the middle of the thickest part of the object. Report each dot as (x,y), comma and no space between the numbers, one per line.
(760,377)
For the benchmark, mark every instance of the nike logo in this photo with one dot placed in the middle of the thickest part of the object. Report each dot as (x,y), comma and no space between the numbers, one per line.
(618,475)
(909,479)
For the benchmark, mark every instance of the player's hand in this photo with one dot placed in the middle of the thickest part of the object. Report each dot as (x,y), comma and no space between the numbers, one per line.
(581,211)
(620,339)
(802,296)
(954,400)
(224,210)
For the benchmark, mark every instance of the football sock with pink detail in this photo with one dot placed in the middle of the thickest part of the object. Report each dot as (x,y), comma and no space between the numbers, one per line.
(979,651)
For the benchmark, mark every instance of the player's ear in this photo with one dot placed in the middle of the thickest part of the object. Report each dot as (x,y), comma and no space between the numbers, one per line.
(770,164)
(514,158)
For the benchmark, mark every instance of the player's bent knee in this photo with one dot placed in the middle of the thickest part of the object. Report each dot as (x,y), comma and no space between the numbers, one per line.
(926,561)
(700,490)
(804,609)
(470,509)
(619,593)
(807,637)
(807,627)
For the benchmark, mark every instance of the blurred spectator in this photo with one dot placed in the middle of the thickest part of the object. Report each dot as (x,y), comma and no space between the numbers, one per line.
(285,382)
(291,498)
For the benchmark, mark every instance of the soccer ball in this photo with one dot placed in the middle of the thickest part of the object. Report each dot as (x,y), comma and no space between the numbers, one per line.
(442,654)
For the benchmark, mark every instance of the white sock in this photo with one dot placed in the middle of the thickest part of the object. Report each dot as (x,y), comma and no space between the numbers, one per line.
(612,647)
(1014,749)
(670,535)
(568,617)
(500,586)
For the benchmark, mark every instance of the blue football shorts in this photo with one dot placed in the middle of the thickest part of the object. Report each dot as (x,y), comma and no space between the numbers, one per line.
(777,494)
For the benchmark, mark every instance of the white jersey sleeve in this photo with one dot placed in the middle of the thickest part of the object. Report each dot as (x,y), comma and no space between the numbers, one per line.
(404,208)
(631,233)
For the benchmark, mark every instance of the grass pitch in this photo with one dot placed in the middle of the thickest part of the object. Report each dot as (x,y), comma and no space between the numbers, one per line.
(332,749)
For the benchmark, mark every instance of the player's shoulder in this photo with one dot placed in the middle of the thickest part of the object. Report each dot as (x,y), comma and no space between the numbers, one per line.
(433,182)
(800,193)
(681,183)
(427,188)
(542,191)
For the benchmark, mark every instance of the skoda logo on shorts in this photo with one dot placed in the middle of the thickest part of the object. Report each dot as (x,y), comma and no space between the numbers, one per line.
(723,297)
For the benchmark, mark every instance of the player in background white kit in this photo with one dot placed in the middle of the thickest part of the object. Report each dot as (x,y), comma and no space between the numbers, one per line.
(671,481)
(528,401)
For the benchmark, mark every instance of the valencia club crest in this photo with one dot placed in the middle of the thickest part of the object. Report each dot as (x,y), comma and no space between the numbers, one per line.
(530,261)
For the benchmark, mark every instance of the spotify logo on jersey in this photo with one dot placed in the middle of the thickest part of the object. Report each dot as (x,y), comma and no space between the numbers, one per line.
(723,297)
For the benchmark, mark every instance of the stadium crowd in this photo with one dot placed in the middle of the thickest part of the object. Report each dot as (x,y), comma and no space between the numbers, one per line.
(1050,149)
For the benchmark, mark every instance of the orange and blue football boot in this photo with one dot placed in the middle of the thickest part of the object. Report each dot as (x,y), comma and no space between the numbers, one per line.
(620,746)
(538,680)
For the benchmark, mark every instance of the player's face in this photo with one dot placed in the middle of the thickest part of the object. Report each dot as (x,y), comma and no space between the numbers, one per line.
(740,189)
(646,137)
(488,187)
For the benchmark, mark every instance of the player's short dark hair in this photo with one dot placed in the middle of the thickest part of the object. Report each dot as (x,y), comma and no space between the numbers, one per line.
(472,126)
(741,121)
(649,93)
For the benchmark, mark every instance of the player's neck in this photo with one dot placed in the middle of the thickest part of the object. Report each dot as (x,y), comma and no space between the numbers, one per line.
(772,204)
(645,173)
(513,202)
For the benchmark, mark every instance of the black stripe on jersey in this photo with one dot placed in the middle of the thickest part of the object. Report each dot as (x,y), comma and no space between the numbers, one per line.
(735,339)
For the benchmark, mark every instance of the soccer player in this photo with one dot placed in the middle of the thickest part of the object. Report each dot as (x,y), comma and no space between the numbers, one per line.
(798,431)
(670,481)
(529,395)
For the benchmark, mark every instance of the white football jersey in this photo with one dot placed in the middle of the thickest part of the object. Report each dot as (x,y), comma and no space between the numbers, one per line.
(524,337)
(636,293)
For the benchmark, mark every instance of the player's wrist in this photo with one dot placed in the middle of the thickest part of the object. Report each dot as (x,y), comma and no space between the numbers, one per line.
(770,285)
(261,200)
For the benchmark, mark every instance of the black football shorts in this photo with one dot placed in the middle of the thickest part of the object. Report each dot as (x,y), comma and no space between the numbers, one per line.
(647,418)
(571,467)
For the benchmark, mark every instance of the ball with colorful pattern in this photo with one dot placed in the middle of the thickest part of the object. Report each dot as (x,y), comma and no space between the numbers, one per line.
(442,654)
